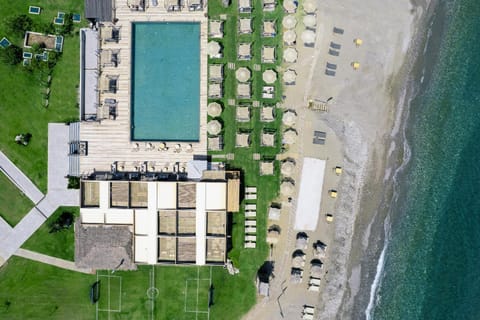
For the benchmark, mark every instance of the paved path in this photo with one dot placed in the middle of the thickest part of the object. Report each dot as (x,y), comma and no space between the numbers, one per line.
(57,262)
(20,179)
(11,239)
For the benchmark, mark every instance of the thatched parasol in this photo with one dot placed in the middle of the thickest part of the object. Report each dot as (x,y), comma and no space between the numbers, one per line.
(287,188)
(289,76)
(289,22)
(214,109)
(308,37)
(242,74)
(290,6)
(214,127)
(289,37)
(289,118)
(269,76)
(287,168)
(290,55)
(213,49)
(310,21)
(289,137)
(309,6)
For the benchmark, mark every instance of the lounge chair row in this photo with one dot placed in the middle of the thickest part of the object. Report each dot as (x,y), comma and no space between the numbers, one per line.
(250,218)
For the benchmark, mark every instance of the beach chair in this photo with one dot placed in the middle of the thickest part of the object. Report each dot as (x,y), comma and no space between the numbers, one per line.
(314,281)
(249,238)
(250,223)
(313,288)
(308,309)
(251,190)
(250,245)
(251,196)
(250,214)
(250,207)
(250,230)
(307,316)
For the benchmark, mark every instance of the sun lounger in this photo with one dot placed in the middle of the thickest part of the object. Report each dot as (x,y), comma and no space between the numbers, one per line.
(250,245)
(250,223)
(250,230)
(334,53)
(251,196)
(250,214)
(330,73)
(314,281)
(338,30)
(318,141)
(331,66)
(251,190)
(307,316)
(308,309)
(250,207)
(250,238)
(319,134)
(313,288)
(335,46)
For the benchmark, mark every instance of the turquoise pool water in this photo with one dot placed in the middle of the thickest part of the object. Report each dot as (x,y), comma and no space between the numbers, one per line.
(165,84)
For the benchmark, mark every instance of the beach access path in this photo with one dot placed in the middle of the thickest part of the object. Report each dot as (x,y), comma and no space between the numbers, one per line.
(11,239)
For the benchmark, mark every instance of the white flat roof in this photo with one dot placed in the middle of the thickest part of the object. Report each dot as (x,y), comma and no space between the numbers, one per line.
(92,215)
(310,194)
(167,195)
(119,216)
(216,196)
(200,225)
(141,222)
(142,249)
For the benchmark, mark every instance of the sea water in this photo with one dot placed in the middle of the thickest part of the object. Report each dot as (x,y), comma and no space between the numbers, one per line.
(430,267)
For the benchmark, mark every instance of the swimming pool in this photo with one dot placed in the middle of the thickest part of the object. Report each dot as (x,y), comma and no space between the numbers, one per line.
(165,82)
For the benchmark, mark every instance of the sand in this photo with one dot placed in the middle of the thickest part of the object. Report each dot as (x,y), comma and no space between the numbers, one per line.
(358,123)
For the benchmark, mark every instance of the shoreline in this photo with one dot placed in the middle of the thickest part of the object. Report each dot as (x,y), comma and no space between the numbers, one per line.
(359,122)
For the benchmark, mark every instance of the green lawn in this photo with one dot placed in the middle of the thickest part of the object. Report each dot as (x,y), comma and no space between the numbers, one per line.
(31,290)
(59,244)
(14,205)
(22,94)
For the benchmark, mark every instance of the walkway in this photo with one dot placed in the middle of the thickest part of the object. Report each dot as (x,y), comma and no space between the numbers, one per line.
(11,239)
(57,262)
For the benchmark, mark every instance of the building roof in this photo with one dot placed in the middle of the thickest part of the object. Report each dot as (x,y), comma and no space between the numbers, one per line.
(100,10)
(103,247)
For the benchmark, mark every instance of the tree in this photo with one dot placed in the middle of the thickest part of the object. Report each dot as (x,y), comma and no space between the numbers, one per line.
(19,24)
(12,54)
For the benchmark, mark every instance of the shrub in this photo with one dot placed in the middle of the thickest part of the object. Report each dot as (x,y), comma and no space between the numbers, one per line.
(18,24)
(12,55)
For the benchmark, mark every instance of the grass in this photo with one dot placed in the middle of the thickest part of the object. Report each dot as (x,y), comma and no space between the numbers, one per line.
(31,290)
(59,244)
(14,205)
(22,97)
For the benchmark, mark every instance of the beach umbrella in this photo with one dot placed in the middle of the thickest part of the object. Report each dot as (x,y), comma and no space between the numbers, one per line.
(290,55)
(310,21)
(289,37)
(242,74)
(287,188)
(214,109)
(289,22)
(287,168)
(289,137)
(213,48)
(309,6)
(290,6)
(308,37)
(289,118)
(272,236)
(289,76)
(298,262)
(316,271)
(269,76)
(214,127)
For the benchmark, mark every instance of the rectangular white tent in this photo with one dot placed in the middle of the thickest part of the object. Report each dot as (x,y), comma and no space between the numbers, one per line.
(119,216)
(216,197)
(167,195)
(92,215)
(310,194)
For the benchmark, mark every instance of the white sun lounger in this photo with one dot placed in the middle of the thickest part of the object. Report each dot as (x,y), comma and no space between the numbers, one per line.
(251,196)
(250,230)
(250,223)
(313,288)
(307,316)
(250,214)
(309,309)
(250,245)
(251,238)
(314,281)
(251,190)
(250,207)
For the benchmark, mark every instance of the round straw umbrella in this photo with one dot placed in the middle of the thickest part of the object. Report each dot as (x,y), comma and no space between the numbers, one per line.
(290,6)
(287,168)
(214,127)
(287,188)
(289,76)
(214,109)
(289,37)
(289,118)
(308,37)
(309,6)
(269,76)
(289,137)
(242,74)
(310,21)
(213,48)
(290,55)
(289,22)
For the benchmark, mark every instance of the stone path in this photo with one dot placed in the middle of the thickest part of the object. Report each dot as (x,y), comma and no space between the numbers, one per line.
(11,239)
(57,262)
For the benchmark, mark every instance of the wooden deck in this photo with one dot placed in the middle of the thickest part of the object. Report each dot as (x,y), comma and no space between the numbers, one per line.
(109,140)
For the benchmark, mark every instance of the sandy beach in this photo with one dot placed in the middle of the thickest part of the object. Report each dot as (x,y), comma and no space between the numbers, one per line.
(361,111)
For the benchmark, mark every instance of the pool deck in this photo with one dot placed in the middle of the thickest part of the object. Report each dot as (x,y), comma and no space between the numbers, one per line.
(109,140)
